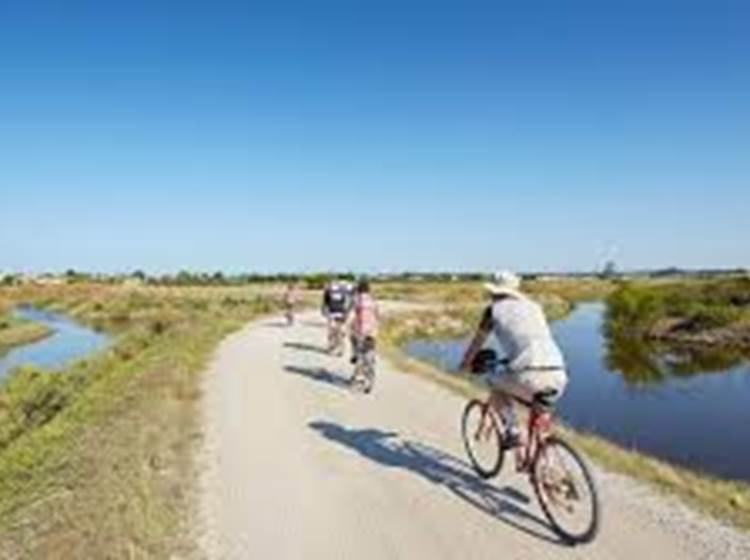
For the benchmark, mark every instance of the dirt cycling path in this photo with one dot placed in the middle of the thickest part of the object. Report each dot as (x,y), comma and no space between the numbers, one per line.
(298,466)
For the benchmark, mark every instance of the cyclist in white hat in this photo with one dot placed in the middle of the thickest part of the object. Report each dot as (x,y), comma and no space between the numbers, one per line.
(533,362)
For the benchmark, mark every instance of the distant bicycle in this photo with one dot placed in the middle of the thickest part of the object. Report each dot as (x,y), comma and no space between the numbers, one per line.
(561,478)
(364,368)
(289,299)
(336,335)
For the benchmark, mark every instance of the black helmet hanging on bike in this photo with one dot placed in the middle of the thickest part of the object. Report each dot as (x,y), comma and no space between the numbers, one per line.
(484,361)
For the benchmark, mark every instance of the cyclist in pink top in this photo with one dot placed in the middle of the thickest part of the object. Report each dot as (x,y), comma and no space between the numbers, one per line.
(365,318)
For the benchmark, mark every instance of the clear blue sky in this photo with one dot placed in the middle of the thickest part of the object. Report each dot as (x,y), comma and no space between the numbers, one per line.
(373,135)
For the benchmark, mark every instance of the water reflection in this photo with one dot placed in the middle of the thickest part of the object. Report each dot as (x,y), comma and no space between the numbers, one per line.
(643,362)
(70,341)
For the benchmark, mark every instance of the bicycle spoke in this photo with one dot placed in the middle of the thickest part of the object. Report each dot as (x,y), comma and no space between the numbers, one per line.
(566,491)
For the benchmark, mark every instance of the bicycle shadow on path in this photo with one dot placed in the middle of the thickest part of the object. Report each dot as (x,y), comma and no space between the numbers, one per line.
(276,325)
(320,375)
(306,347)
(443,469)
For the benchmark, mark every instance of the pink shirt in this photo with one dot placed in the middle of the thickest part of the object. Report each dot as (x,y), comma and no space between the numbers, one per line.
(366,316)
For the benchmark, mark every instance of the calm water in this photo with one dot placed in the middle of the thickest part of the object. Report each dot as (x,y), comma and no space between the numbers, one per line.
(70,341)
(690,408)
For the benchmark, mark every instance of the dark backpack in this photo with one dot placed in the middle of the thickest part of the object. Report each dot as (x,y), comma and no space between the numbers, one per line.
(337,300)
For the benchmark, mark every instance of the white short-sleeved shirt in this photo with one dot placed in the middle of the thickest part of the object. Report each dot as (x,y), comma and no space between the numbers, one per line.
(524,335)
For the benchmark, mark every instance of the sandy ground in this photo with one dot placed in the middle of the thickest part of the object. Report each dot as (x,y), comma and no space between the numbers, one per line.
(297,465)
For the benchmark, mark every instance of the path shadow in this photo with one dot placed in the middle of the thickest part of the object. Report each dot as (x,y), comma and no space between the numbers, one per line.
(277,324)
(306,347)
(321,375)
(314,323)
(442,469)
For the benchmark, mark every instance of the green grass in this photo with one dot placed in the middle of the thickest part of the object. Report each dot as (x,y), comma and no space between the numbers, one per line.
(725,500)
(97,461)
(686,307)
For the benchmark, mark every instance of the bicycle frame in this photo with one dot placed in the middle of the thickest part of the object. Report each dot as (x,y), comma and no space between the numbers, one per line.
(539,426)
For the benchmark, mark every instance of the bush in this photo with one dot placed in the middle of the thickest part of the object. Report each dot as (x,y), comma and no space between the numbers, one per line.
(708,317)
(31,398)
(633,309)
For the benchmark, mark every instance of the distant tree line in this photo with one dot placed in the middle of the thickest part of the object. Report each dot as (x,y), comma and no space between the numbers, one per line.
(316,280)
(218,278)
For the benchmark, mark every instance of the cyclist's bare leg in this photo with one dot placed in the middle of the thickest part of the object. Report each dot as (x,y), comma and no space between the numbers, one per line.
(330,326)
(504,407)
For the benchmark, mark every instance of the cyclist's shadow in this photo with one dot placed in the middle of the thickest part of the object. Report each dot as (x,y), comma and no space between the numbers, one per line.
(386,448)
(320,374)
(304,346)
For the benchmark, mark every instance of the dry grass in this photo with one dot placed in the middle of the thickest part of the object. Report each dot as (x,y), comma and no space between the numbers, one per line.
(467,293)
(573,289)
(723,499)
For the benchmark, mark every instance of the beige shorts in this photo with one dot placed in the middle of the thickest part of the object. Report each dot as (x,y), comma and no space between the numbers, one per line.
(526,384)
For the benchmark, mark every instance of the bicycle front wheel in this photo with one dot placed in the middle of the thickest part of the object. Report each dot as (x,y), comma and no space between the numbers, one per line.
(566,491)
(482,439)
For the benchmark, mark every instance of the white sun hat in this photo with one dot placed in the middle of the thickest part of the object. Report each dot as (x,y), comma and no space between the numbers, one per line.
(504,282)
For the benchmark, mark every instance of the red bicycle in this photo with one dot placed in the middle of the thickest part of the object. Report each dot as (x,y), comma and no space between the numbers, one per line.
(560,476)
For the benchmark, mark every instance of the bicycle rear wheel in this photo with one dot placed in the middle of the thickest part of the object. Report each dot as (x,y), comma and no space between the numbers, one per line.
(368,370)
(482,439)
(566,491)
(363,377)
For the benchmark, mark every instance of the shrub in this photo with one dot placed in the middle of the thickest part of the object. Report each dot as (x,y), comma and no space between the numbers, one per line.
(32,398)
(633,309)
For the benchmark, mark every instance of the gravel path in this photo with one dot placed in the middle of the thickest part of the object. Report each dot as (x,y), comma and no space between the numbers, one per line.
(299,466)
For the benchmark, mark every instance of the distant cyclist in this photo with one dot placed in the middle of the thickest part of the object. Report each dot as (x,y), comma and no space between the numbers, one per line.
(290,299)
(336,306)
(365,319)
(534,361)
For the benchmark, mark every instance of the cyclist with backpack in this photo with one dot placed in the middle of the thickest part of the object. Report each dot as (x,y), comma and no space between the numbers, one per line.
(336,306)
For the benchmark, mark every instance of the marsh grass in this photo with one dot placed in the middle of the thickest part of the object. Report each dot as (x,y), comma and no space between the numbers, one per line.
(465,293)
(17,332)
(97,460)
(681,310)
(456,318)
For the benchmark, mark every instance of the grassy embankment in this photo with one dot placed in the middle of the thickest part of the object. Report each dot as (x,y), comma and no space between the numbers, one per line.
(16,332)
(699,312)
(726,500)
(97,461)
